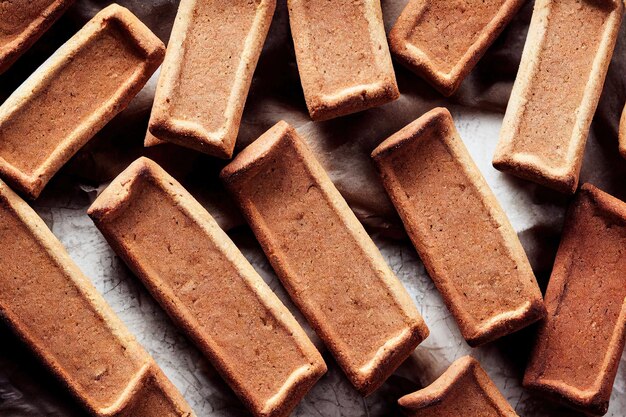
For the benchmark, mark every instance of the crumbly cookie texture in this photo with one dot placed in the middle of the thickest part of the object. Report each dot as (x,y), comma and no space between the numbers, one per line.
(206,75)
(442,40)
(23,23)
(327,262)
(463,236)
(622,134)
(556,92)
(579,344)
(58,313)
(463,390)
(208,287)
(87,81)
(342,54)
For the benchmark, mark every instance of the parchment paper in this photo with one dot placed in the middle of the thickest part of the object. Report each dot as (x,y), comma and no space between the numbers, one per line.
(343,145)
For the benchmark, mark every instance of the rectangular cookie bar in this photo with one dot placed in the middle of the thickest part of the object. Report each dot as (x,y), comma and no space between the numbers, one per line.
(207,71)
(87,81)
(463,236)
(442,40)
(207,286)
(325,259)
(579,345)
(463,390)
(556,92)
(342,54)
(58,313)
(22,23)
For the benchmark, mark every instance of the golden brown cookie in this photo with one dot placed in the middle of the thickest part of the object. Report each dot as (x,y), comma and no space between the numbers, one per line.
(463,390)
(22,22)
(580,343)
(326,260)
(58,313)
(213,51)
(89,80)
(207,286)
(342,54)
(462,234)
(442,40)
(622,134)
(558,85)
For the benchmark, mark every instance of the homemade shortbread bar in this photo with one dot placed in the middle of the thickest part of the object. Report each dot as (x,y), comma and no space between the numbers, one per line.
(442,40)
(558,85)
(22,23)
(580,343)
(151,140)
(208,68)
(342,54)
(463,236)
(463,390)
(90,79)
(207,286)
(326,260)
(56,310)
